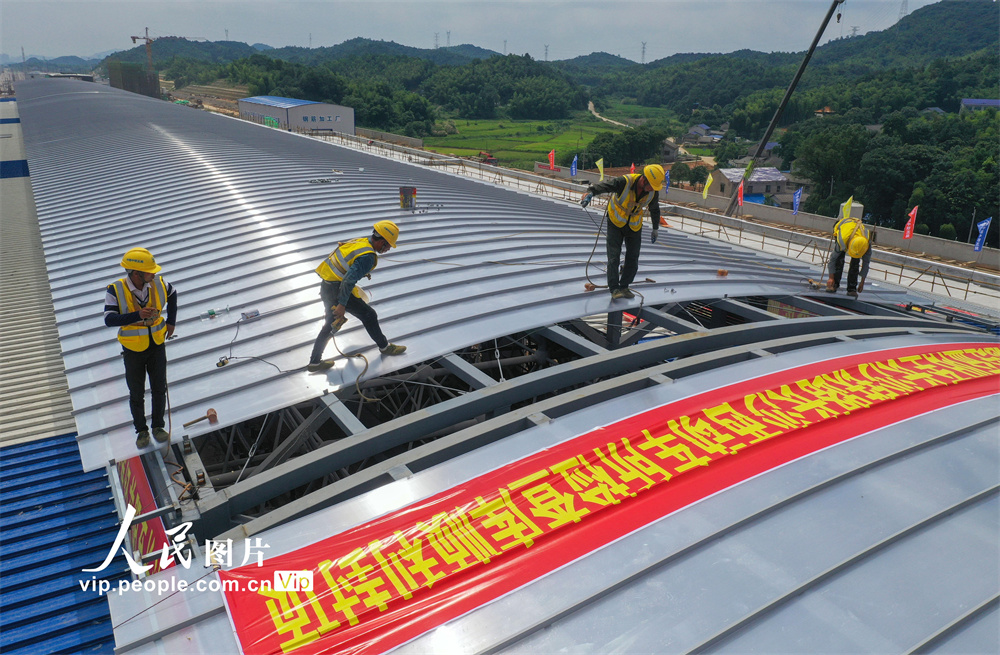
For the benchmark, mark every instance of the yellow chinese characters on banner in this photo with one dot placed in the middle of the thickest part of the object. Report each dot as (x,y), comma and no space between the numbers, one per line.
(529,500)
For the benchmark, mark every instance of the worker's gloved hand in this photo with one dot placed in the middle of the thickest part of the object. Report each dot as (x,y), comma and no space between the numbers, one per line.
(586,199)
(652,237)
(861,285)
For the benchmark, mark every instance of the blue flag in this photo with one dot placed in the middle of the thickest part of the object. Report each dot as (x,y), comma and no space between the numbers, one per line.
(572,168)
(984,227)
(795,201)
(666,183)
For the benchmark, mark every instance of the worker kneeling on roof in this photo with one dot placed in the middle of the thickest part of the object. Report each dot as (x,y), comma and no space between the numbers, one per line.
(134,304)
(852,239)
(341,271)
(633,192)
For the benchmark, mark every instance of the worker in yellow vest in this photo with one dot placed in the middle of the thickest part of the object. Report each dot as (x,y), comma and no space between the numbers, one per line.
(351,261)
(135,304)
(632,193)
(852,239)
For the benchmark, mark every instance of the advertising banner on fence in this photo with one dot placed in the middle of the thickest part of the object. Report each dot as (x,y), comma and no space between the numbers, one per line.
(382,583)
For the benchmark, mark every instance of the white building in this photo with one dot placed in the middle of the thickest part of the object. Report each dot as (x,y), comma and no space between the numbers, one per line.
(290,113)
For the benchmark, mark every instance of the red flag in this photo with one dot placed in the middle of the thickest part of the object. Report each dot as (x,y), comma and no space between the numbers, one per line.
(908,230)
(739,196)
(552,159)
(633,167)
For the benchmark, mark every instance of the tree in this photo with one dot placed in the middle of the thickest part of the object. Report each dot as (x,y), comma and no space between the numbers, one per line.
(680,172)
(947,231)
(699,174)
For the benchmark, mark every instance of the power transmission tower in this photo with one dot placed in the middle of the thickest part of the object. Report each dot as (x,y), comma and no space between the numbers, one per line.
(505,47)
(546,52)
(904,9)
(227,35)
(310,40)
(854,30)
(436,40)
(23,60)
(447,38)
(644,52)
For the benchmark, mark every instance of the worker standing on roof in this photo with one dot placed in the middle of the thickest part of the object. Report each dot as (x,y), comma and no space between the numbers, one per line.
(341,271)
(633,192)
(853,239)
(134,304)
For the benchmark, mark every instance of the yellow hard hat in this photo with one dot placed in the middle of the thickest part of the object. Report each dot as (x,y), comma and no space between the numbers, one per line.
(654,174)
(388,231)
(140,259)
(857,247)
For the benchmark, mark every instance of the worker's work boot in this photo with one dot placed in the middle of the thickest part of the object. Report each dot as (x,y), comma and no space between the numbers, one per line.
(830,286)
(142,439)
(161,435)
(627,293)
(852,293)
(392,349)
(316,367)
(618,294)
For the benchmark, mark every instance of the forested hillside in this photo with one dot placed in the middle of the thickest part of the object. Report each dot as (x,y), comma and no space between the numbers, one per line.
(877,145)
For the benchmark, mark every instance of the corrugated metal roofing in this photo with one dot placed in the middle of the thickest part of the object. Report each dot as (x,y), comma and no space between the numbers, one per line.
(34,396)
(266,218)
(240,215)
(278,101)
(879,543)
(55,520)
(762,174)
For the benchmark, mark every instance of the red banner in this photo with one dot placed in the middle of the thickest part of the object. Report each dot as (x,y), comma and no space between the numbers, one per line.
(552,159)
(387,581)
(739,196)
(908,230)
(149,536)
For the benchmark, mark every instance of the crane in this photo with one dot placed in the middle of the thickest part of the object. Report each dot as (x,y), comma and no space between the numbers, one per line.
(149,44)
(149,48)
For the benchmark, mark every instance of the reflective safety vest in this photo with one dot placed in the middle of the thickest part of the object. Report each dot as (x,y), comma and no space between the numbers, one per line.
(846,229)
(334,267)
(136,336)
(626,208)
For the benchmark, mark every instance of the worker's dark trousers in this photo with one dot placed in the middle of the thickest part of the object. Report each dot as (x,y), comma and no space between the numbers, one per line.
(837,270)
(633,242)
(329,291)
(152,362)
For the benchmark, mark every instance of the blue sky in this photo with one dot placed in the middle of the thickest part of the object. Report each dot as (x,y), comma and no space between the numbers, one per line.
(569,27)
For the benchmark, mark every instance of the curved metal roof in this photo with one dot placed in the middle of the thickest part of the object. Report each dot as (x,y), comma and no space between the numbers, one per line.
(818,554)
(239,215)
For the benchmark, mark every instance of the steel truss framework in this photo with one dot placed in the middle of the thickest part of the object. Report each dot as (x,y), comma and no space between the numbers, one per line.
(262,473)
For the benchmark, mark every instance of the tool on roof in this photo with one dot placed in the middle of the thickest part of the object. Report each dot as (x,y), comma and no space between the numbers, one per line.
(211,415)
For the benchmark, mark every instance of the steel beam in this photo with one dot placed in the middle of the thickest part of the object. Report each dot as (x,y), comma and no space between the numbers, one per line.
(748,312)
(466,372)
(563,337)
(668,322)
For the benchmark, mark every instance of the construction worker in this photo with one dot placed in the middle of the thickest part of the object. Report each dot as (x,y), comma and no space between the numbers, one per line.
(852,239)
(633,192)
(134,304)
(341,271)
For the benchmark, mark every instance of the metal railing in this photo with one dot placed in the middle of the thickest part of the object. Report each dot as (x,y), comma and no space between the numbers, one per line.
(919,274)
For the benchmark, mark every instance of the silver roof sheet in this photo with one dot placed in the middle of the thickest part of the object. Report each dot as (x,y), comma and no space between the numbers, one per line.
(853,548)
(762,174)
(239,215)
(34,400)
